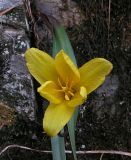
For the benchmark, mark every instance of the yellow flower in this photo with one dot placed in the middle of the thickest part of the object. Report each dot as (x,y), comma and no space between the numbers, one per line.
(63,84)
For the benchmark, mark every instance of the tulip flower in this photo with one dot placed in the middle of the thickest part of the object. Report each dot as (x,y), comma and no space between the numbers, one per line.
(63,84)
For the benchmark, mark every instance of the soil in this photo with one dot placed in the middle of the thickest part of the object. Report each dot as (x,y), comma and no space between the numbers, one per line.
(104,121)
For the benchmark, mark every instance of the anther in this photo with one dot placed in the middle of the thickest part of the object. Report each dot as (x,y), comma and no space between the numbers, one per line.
(66,97)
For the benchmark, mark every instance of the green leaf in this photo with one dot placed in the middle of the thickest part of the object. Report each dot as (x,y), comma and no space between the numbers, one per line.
(57,142)
(71,128)
(58,148)
(61,41)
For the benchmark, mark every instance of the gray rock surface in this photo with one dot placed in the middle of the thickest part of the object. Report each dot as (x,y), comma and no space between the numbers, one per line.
(16,87)
(66,12)
(5,4)
(105,96)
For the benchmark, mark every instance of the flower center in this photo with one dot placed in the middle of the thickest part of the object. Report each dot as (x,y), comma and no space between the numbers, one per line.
(66,89)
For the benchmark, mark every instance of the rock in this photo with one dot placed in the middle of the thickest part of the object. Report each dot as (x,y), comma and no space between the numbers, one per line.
(66,12)
(5,4)
(105,96)
(15,18)
(16,87)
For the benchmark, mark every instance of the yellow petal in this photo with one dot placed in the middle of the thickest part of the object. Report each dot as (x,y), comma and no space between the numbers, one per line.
(66,69)
(40,65)
(79,98)
(56,117)
(93,73)
(49,90)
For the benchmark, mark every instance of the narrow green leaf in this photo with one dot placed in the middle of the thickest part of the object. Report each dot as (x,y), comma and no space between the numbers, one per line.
(61,41)
(58,148)
(57,142)
(71,128)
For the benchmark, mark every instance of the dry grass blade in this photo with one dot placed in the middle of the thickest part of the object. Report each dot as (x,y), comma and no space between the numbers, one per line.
(5,11)
(67,151)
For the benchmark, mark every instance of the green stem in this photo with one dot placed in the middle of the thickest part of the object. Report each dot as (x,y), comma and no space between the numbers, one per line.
(58,148)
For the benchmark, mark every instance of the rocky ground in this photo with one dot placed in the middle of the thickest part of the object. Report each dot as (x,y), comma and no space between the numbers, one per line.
(96,29)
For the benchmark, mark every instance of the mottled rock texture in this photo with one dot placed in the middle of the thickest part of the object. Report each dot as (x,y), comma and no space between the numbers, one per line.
(16,87)
(66,12)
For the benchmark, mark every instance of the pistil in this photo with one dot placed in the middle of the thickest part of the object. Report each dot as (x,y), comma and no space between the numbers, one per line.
(68,93)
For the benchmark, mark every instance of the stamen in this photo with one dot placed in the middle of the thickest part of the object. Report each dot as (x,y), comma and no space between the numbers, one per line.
(64,88)
(59,82)
(72,94)
(66,97)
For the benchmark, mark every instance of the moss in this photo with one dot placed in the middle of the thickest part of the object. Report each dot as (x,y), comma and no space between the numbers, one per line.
(6,115)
